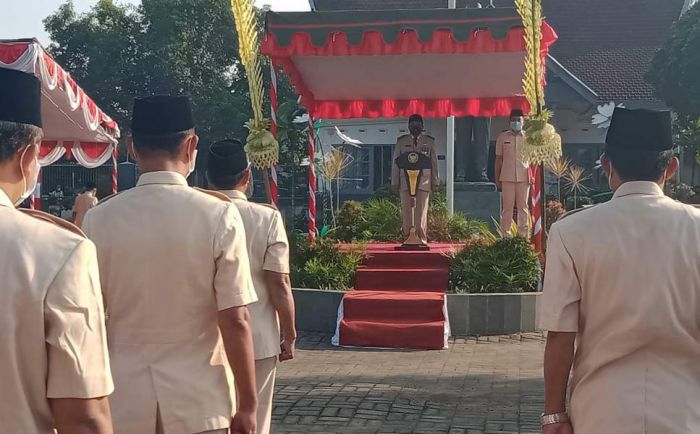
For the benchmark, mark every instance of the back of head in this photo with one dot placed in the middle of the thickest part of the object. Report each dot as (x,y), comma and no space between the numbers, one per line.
(161,123)
(639,144)
(90,185)
(20,112)
(227,164)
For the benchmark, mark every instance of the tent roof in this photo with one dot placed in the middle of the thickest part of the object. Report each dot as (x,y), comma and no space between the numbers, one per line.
(397,62)
(68,113)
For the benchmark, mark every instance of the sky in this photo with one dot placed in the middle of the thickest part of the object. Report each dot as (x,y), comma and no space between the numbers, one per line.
(23,18)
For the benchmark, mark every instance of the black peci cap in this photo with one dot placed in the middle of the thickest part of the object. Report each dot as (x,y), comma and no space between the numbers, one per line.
(227,158)
(161,114)
(20,97)
(640,130)
(515,113)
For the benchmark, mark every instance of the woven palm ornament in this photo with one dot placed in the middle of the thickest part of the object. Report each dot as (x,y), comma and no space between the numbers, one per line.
(261,146)
(542,143)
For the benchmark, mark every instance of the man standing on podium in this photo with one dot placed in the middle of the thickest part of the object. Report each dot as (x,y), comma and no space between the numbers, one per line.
(416,141)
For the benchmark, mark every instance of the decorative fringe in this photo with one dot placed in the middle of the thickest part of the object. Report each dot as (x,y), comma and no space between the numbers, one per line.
(542,143)
(261,146)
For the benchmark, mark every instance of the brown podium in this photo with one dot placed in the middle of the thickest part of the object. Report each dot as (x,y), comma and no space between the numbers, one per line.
(412,164)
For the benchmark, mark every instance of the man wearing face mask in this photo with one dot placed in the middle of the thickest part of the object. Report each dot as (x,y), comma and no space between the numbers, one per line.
(54,367)
(623,282)
(512,176)
(228,171)
(176,279)
(417,141)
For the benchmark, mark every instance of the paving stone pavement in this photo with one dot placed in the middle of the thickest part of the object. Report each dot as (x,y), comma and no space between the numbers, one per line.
(488,385)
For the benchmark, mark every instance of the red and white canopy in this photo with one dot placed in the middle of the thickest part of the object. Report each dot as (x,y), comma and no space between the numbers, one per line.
(73,124)
(437,62)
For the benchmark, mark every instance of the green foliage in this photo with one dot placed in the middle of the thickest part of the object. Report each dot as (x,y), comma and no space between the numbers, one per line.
(321,264)
(674,69)
(117,52)
(383,219)
(351,223)
(507,265)
(576,202)
(458,228)
(554,211)
(680,191)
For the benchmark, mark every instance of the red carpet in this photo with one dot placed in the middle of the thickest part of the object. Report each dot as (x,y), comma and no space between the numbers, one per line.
(399,299)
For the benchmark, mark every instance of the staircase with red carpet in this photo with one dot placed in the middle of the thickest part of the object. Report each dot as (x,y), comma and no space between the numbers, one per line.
(398,300)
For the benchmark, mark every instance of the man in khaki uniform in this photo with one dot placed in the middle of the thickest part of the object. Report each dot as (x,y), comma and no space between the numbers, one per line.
(512,176)
(415,142)
(176,280)
(623,282)
(54,367)
(84,202)
(268,251)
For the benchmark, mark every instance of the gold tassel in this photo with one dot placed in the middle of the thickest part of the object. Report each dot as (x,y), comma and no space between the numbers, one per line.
(542,143)
(261,146)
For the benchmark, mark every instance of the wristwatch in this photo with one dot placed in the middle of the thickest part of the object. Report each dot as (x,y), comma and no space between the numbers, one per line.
(549,419)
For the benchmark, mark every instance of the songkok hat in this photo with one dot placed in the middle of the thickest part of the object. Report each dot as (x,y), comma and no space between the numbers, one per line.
(20,97)
(640,130)
(515,113)
(415,118)
(161,114)
(227,158)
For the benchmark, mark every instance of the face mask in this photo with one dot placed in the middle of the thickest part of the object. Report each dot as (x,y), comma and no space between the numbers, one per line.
(516,126)
(29,186)
(193,164)
(415,129)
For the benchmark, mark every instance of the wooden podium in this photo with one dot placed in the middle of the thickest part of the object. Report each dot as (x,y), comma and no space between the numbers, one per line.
(412,164)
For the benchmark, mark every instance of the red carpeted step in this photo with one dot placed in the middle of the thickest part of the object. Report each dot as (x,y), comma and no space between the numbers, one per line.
(406,260)
(419,336)
(392,306)
(413,279)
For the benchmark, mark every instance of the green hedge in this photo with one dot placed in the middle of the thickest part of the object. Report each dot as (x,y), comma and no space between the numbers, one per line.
(507,265)
(321,265)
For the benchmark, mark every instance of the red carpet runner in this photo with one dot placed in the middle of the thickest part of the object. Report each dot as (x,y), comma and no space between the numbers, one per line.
(398,301)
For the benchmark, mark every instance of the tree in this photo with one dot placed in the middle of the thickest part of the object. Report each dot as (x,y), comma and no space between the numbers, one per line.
(674,69)
(119,52)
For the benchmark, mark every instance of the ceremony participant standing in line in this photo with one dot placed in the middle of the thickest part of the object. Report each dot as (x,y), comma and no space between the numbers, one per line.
(84,202)
(429,180)
(176,280)
(268,250)
(512,176)
(54,368)
(623,281)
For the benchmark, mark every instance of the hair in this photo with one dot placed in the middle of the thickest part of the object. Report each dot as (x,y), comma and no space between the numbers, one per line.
(225,182)
(169,143)
(90,185)
(15,135)
(636,165)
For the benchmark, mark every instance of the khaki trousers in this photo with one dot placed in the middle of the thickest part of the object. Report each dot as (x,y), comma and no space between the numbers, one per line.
(421,214)
(265,370)
(515,194)
(160,430)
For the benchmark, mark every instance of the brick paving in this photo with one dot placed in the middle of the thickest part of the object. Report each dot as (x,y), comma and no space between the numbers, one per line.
(487,385)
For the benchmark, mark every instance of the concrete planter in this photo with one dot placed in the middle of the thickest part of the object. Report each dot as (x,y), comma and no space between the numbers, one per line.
(470,314)
(492,314)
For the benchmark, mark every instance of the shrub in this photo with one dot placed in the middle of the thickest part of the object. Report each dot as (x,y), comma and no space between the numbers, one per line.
(321,264)
(350,222)
(573,203)
(554,212)
(383,220)
(506,265)
(680,191)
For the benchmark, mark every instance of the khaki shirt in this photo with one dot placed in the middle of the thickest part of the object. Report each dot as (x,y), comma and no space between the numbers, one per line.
(268,250)
(52,336)
(170,258)
(509,145)
(625,275)
(425,144)
(83,203)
